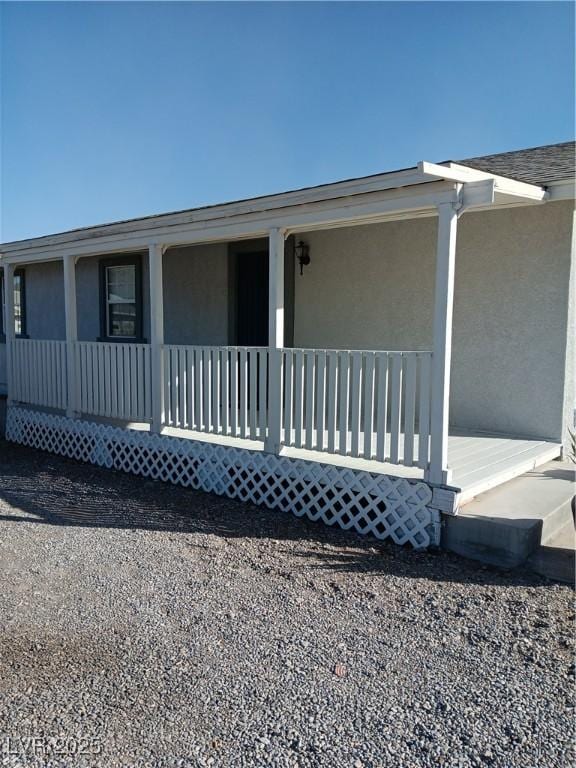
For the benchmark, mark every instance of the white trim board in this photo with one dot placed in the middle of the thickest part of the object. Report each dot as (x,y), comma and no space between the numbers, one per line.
(295,210)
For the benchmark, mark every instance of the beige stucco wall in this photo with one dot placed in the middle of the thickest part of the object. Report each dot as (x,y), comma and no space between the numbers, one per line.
(369,287)
(511,320)
(45,300)
(196,295)
(372,287)
(570,367)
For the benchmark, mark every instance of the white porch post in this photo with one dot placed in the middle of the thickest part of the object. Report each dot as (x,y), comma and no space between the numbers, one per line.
(439,471)
(275,338)
(276,289)
(155,256)
(71,317)
(9,327)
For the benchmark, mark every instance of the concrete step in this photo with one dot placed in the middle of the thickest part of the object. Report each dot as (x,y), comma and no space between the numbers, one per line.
(557,558)
(505,525)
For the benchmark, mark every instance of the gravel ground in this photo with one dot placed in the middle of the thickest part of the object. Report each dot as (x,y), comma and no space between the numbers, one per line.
(155,626)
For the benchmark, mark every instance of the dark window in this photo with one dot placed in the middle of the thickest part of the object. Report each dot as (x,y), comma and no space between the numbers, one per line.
(121,299)
(19,303)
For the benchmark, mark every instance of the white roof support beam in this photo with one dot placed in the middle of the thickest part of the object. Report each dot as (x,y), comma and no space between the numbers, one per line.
(276,240)
(438,471)
(477,194)
(562,190)
(397,203)
(327,193)
(156,287)
(71,319)
(519,190)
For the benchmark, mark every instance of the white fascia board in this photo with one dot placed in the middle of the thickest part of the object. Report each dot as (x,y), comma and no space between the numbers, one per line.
(518,190)
(506,190)
(511,187)
(423,173)
(478,194)
(562,190)
(459,173)
(358,209)
(325,193)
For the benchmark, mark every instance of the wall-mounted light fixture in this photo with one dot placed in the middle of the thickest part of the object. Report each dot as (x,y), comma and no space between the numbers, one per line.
(302,251)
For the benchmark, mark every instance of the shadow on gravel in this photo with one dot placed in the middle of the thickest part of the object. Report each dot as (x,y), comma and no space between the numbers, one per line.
(53,490)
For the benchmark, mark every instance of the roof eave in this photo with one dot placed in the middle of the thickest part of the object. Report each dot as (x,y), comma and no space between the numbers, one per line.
(562,190)
(504,189)
(366,200)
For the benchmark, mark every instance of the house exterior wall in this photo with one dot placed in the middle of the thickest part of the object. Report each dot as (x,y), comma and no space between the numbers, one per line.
(44,297)
(195,298)
(45,317)
(570,366)
(88,297)
(372,287)
(368,287)
(511,318)
(196,295)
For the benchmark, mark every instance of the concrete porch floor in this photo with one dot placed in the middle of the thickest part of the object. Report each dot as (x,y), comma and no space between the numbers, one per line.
(481,462)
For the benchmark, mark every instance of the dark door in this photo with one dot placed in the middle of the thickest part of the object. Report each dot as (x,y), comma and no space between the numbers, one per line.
(252,299)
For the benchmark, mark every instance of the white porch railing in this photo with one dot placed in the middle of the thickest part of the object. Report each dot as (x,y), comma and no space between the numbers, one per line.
(113,380)
(220,390)
(365,404)
(38,372)
(373,405)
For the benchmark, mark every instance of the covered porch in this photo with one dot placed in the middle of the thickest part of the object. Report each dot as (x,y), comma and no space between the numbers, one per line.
(382,411)
(363,410)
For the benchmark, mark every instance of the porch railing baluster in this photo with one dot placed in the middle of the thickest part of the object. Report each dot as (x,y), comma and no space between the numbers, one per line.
(368,405)
(410,362)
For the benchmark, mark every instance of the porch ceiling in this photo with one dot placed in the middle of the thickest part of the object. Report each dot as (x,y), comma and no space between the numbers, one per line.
(409,193)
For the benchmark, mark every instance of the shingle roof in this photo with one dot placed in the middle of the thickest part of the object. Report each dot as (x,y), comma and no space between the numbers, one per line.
(539,165)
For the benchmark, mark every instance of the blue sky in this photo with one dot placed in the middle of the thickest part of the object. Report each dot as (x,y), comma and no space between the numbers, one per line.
(115,110)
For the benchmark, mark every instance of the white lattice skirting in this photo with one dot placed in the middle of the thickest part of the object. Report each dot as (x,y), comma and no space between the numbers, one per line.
(381,505)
